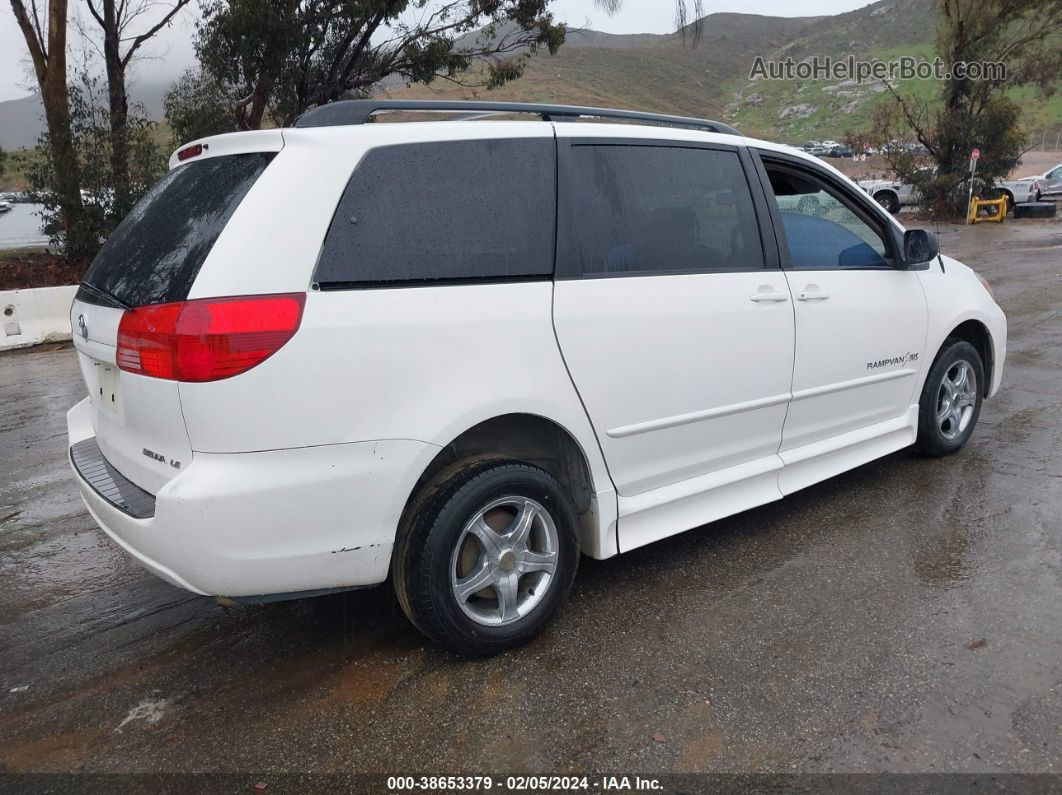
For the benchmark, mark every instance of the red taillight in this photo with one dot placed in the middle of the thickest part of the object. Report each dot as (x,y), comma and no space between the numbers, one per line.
(191,151)
(207,339)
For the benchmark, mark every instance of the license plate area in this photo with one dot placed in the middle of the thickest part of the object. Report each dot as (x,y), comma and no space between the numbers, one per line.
(107,395)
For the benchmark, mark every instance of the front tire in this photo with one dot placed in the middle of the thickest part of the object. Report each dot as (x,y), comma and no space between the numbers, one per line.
(490,560)
(951,399)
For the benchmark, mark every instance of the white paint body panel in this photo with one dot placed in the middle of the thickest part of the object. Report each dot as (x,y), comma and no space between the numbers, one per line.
(688,401)
(1022,189)
(701,374)
(130,413)
(405,363)
(870,316)
(955,295)
(278,522)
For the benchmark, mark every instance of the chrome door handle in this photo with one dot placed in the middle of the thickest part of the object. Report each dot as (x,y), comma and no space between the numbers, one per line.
(812,296)
(769,296)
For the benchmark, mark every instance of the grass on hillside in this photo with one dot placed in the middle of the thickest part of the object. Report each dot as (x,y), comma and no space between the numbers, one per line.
(21,161)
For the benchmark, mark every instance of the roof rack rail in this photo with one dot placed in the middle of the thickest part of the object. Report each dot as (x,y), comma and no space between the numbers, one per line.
(360,111)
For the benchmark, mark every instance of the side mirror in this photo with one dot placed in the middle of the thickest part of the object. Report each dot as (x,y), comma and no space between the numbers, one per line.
(919,246)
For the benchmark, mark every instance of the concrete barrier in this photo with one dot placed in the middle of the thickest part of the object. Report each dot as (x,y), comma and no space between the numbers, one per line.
(30,317)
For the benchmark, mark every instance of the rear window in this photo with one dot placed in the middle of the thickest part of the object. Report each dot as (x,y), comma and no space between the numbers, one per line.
(445,211)
(156,252)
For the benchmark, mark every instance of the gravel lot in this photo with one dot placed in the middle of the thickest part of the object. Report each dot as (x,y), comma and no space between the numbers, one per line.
(906,616)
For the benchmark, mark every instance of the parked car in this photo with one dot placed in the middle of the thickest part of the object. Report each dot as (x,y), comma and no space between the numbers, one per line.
(5,207)
(839,151)
(829,145)
(892,194)
(1047,184)
(896,194)
(314,363)
(1020,190)
(815,148)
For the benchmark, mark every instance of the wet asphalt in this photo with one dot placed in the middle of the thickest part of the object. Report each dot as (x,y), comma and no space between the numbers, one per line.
(905,616)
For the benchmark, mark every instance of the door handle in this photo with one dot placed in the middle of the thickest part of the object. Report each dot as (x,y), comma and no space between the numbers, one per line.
(768,296)
(812,295)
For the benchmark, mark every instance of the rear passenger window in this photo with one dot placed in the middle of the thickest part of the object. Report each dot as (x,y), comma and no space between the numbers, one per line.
(651,209)
(453,210)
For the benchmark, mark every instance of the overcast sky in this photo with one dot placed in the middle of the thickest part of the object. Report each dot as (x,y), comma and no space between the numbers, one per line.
(172,48)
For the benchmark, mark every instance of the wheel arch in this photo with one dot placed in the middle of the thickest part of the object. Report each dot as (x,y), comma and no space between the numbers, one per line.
(531,438)
(977,334)
(888,192)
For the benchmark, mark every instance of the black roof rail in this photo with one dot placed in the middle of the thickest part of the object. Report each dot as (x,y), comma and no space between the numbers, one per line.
(359,111)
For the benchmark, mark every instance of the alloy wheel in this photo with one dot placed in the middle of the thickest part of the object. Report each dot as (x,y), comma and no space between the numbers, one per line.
(504,561)
(956,399)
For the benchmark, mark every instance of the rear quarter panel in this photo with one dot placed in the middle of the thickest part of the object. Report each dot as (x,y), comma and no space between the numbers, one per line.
(418,363)
(422,364)
(407,363)
(271,243)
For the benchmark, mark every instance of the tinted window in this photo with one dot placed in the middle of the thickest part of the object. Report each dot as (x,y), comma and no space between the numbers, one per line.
(446,210)
(822,231)
(156,252)
(637,209)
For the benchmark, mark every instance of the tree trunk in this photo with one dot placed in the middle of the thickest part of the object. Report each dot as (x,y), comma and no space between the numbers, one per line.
(119,108)
(250,112)
(49,64)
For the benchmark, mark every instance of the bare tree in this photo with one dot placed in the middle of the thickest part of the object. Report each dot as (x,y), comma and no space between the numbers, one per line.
(117,20)
(46,41)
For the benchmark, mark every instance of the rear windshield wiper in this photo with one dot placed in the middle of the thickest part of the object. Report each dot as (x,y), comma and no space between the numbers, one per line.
(108,298)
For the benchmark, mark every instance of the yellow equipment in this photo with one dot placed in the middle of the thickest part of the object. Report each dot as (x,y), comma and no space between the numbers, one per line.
(994,210)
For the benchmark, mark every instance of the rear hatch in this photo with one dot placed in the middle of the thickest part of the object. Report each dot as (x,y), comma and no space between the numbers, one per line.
(153,257)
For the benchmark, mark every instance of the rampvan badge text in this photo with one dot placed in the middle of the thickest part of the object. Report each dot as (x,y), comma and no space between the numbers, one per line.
(895,360)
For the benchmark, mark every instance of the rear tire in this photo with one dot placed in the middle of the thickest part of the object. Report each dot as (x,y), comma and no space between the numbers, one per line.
(490,559)
(951,399)
(889,200)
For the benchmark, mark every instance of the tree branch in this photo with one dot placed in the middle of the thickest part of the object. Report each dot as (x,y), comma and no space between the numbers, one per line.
(30,32)
(139,40)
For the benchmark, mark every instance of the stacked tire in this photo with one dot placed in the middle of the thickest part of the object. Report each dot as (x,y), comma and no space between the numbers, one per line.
(1035,210)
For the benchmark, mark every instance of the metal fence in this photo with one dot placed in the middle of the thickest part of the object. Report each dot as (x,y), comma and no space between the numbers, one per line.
(1049,140)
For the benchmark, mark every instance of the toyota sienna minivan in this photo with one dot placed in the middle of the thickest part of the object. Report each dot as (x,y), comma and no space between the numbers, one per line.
(456,355)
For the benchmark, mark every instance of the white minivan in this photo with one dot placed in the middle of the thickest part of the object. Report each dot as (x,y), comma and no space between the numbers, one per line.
(457,355)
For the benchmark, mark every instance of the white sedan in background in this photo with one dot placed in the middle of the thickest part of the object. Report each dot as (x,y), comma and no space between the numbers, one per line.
(1047,184)
(894,194)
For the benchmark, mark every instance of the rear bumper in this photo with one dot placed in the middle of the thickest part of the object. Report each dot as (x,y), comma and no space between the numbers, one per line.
(274,522)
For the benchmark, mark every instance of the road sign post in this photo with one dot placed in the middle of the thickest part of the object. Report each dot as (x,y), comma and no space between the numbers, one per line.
(975,155)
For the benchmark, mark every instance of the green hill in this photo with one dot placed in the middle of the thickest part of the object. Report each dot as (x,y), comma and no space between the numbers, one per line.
(711,79)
